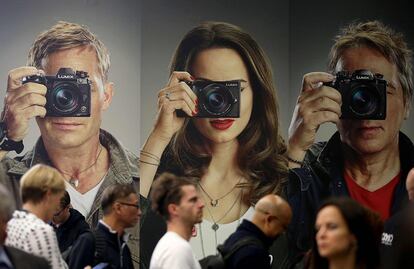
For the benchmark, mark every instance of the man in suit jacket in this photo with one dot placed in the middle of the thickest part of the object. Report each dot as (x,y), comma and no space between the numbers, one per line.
(12,258)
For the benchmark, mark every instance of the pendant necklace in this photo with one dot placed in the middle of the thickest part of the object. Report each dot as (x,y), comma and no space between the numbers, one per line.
(73,181)
(215,225)
(214,202)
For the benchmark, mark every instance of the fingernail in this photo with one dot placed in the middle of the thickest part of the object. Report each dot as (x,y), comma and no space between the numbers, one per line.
(194,113)
(196,101)
(192,78)
(196,110)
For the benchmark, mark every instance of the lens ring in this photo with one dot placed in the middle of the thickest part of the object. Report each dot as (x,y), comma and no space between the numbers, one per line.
(364,101)
(65,98)
(217,99)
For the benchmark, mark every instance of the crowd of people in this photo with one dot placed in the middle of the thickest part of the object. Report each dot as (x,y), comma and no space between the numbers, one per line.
(217,184)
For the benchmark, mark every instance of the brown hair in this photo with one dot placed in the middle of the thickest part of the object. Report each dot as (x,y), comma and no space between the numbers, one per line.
(364,224)
(67,35)
(261,158)
(166,190)
(38,180)
(375,35)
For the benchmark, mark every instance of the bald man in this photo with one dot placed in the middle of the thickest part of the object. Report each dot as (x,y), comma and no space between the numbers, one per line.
(271,217)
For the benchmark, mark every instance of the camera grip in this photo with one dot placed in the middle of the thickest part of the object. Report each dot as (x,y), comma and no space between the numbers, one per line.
(35,79)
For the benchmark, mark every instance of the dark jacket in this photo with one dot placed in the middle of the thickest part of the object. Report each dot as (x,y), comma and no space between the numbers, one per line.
(115,251)
(321,176)
(397,244)
(123,169)
(24,260)
(68,232)
(252,255)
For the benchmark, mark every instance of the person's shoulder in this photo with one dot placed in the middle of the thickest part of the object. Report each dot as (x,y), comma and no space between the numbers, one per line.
(18,163)
(174,242)
(17,256)
(120,155)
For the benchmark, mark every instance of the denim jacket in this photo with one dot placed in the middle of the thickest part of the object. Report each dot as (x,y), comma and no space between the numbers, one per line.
(123,169)
(321,176)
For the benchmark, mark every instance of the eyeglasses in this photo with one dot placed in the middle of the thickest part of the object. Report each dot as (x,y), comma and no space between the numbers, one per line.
(59,212)
(129,204)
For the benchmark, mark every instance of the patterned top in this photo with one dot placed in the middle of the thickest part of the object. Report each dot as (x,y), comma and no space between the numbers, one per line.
(27,232)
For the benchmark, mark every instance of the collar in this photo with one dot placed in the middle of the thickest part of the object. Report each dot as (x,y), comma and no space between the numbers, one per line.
(123,163)
(125,236)
(251,228)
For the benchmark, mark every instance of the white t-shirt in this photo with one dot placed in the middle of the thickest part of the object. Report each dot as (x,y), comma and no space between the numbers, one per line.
(204,243)
(82,202)
(173,252)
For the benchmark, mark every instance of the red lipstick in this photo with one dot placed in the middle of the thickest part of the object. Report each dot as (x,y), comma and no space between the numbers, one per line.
(222,124)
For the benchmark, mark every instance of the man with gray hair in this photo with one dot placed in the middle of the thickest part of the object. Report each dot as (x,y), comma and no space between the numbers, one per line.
(11,257)
(367,94)
(89,158)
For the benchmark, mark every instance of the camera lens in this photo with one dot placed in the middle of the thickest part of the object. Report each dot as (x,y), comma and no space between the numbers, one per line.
(217,99)
(65,98)
(364,101)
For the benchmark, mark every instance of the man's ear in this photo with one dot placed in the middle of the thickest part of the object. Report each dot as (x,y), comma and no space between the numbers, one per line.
(172,209)
(407,110)
(116,207)
(107,95)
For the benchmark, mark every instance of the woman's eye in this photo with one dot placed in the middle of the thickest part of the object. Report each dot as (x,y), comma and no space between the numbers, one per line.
(332,226)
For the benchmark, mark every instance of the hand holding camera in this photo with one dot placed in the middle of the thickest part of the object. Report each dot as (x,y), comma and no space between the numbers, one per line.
(216,99)
(177,95)
(316,105)
(68,93)
(23,102)
(326,98)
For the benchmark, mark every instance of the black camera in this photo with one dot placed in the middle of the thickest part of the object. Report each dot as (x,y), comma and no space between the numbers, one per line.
(364,94)
(68,93)
(216,99)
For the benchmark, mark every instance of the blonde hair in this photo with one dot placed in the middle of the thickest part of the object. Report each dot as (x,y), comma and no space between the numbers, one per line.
(38,180)
(67,35)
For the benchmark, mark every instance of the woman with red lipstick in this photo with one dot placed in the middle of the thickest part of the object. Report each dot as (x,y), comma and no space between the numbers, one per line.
(347,236)
(235,161)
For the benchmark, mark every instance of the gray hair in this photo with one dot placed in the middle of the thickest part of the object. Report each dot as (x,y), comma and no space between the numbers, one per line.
(389,43)
(67,35)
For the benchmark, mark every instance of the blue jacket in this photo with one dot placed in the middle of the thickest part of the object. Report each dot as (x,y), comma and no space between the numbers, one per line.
(321,176)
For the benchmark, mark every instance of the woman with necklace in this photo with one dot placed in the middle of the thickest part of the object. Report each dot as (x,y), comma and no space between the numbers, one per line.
(235,161)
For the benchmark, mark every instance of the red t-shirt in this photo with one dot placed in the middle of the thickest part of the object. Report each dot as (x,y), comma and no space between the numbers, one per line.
(380,200)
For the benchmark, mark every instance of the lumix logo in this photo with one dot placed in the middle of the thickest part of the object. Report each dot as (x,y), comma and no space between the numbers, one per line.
(231,84)
(362,77)
(65,76)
